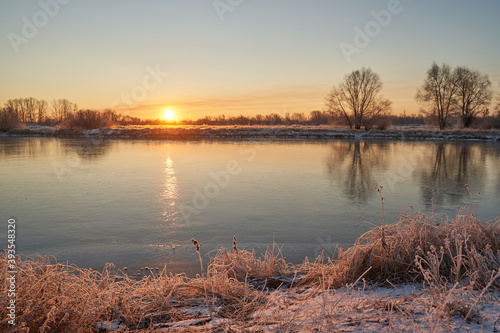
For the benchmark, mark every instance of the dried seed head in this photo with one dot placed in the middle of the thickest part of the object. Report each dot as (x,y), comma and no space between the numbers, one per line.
(235,245)
(196,244)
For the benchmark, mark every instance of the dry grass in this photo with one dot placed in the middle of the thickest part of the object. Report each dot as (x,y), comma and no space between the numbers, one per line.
(452,258)
(418,247)
(270,270)
(53,297)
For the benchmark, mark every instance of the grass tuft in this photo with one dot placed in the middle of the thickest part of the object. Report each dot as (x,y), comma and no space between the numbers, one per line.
(419,247)
(269,270)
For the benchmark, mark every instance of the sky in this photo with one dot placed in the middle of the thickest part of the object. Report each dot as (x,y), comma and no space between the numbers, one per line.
(232,57)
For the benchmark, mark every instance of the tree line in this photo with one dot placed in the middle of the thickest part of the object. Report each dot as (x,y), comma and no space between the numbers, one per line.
(356,102)
(30,110)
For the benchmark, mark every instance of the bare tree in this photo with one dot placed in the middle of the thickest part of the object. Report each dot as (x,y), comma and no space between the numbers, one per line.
(67,108)
(259,118)
(298,117)
(316,118)
(438,93)
(21,109)
(41,108)
(273,119)
(112,115)
(62,108)
(56,110)
(474,94)
(30,109)
(358,97)
(286,118)
(12,107)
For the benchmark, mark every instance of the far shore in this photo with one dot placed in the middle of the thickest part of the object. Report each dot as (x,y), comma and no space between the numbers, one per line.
(293,132)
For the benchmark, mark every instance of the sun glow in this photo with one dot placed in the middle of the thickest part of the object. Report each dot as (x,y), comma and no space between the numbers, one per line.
(169,115)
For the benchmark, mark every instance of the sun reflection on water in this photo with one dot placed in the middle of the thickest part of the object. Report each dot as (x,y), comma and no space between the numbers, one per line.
(170,192)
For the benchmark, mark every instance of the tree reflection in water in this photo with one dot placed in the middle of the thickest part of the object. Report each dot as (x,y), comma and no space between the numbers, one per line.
(440,170)
(451,167)
(351,165)
(88,149)
(31,147)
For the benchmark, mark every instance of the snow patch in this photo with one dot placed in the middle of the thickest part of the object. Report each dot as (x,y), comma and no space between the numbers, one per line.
(109,326)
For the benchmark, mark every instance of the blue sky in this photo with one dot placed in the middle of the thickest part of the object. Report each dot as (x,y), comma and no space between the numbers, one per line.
(261,57)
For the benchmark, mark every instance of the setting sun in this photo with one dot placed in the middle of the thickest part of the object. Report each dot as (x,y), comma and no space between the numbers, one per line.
(169,115)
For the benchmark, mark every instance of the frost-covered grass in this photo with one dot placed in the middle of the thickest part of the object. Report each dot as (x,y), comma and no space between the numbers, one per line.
(419,274)
(417,248)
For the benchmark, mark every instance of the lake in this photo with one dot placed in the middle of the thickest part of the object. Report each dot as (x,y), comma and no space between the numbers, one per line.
(138,203)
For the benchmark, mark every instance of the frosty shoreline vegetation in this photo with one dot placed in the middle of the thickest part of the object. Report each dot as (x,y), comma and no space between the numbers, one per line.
(294,132)
(423,273)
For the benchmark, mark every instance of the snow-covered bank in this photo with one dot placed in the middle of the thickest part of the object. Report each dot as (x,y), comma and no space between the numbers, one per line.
(402,308)
(258,132)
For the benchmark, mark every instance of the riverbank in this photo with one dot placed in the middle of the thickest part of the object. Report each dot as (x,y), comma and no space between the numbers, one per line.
(258,132)
(421,274)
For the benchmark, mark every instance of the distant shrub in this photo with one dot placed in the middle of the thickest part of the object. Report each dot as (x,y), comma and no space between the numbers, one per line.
(342,121)
(454,122)
(87,119)
(8,120)
(383,123)
(489,123)
(380,122)
(430,121)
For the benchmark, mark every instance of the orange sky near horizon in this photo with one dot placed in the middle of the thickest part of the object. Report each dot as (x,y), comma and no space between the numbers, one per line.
(278,100)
